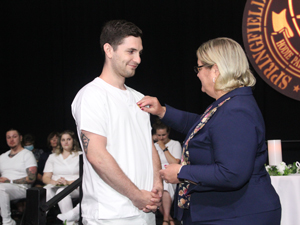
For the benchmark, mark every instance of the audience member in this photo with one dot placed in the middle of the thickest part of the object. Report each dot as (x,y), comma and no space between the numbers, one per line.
(29,141)
(62,169)
(29,144)
(71,215)
(18,171)
(52,141)
(154,136)
(169,152)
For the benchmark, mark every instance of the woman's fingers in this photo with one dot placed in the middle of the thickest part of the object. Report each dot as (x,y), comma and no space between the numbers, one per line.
(151,105)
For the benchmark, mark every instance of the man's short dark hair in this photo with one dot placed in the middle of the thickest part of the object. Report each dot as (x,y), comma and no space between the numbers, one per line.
(12,129)
(115,31)
(29,138)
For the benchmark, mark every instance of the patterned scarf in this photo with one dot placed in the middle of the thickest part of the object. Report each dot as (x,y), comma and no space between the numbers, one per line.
(183,199)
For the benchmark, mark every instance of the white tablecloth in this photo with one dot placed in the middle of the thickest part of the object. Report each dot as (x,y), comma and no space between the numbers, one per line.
(288,189)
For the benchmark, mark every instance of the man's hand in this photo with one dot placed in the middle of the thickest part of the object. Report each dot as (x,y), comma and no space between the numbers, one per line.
(156,199)
(143,199)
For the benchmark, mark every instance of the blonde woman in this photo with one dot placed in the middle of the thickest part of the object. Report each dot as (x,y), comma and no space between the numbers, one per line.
(62,169)
(222,178)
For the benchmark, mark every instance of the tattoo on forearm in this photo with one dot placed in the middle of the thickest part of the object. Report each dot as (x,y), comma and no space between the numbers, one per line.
(21,181)
(85,142)
(31,176)
(31,172)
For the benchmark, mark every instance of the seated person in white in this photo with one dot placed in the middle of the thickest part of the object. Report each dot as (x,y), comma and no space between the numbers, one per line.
(169,152)
(18,170)
(62,169)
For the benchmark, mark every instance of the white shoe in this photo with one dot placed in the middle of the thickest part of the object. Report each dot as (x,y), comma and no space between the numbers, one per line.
(12,222)
(72,223)
(69,216)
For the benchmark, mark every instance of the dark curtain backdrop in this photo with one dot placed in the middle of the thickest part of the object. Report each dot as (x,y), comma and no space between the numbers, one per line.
(50,49)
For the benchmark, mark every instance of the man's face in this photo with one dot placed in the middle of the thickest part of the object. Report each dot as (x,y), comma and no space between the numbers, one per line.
(126,58)
(13,139)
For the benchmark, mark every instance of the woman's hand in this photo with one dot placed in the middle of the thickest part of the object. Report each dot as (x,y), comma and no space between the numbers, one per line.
(170,173)
(161,144)
(62,181)
(152,105)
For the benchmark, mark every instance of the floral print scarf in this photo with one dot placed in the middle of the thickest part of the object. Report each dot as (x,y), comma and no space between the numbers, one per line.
(183,198)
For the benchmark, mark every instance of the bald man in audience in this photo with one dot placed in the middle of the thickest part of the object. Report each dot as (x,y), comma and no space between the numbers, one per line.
(18,170)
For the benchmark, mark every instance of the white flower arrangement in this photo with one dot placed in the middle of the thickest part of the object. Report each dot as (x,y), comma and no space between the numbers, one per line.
(282,169)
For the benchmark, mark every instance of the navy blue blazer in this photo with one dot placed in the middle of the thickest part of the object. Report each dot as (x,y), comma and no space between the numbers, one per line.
(227,158)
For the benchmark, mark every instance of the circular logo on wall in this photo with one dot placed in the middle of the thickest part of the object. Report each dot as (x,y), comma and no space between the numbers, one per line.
(271,35)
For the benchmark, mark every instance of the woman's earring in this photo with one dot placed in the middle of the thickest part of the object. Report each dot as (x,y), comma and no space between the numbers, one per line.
(214,79)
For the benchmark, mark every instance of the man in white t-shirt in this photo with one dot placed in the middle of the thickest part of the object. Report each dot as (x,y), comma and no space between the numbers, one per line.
(121,183)
(18,170)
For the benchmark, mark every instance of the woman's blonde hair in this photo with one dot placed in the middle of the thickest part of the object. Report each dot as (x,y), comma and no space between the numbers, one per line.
(231,60)
(75,147)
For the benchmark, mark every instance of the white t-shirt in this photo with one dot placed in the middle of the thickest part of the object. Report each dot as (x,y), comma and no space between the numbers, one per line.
(174,148)
(60,167)
(15,168)
(108,111)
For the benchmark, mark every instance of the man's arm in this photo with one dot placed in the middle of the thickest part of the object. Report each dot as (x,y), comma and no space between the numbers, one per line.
(157,181)
(108,169)
(31,176)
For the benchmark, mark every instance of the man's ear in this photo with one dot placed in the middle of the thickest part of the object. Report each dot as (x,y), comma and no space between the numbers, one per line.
(108,49)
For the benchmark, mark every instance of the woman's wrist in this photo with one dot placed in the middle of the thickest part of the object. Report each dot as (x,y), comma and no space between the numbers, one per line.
(181,180)
(162,113)
(53,182)
(180,169)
